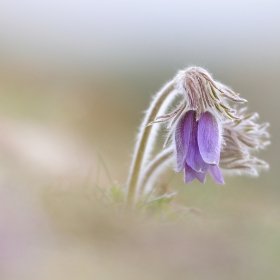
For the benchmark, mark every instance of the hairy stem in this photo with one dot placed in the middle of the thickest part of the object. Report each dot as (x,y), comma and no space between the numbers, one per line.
(141,151)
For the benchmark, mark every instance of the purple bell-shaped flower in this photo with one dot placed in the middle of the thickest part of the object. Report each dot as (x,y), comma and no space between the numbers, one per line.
(198,147)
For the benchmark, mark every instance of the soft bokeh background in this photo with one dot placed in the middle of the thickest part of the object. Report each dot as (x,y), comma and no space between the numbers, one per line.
(75,77)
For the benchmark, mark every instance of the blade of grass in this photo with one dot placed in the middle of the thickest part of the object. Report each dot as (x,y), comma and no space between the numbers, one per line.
(105,168)
(97,173)
(103,193)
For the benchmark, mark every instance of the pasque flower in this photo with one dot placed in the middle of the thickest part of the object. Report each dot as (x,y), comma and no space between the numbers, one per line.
(207,133)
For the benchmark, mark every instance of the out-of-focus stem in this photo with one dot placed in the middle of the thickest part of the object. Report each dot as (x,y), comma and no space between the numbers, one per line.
(155,166)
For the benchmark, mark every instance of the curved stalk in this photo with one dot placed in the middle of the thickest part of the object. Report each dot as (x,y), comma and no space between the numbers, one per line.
(154,168)
(145,141)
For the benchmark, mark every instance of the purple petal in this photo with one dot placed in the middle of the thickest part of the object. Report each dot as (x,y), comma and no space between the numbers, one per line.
(191,174)
(216,174)
(201,176)
(194,159)
(209,141)
(182,136)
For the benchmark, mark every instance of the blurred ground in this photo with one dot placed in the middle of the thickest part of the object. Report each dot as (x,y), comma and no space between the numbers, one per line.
(75,78)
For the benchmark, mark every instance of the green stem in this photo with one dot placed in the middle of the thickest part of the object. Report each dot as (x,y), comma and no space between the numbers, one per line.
(141,144)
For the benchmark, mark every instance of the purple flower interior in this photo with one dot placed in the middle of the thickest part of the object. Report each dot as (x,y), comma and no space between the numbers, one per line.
(198,147)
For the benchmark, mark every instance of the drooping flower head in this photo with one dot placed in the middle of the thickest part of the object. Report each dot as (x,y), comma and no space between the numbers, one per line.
(207,132)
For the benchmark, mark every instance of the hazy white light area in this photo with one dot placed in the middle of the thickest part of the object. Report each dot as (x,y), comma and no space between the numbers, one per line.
(108,33)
